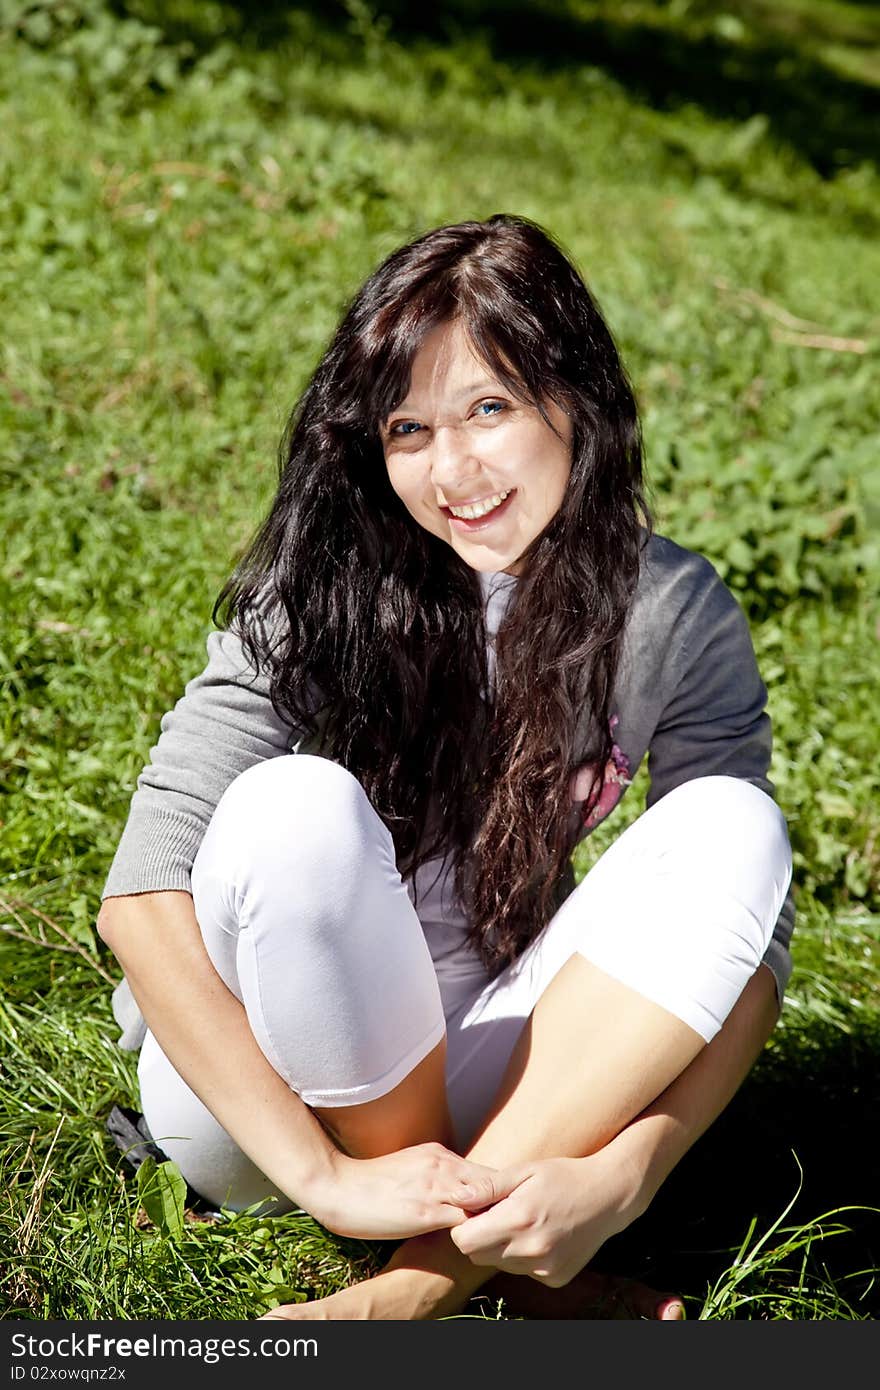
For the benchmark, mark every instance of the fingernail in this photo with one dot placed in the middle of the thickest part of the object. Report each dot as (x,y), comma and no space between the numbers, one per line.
(675,1312)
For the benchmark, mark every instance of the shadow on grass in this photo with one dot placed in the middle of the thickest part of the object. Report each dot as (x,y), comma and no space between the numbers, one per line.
(829,119)
(832,120)
(814,1094)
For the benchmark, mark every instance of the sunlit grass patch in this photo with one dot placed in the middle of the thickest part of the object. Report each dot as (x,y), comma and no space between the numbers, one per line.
(189,200)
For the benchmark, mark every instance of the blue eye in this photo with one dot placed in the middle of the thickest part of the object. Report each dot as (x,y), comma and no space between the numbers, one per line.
(406,427)
(492,406)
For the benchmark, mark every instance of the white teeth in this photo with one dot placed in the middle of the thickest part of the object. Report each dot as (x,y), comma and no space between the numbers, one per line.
(480,508)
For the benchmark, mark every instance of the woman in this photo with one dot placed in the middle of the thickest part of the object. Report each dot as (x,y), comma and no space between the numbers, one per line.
(387,1001)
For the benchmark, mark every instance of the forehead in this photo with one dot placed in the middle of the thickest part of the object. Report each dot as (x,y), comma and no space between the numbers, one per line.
(447,361)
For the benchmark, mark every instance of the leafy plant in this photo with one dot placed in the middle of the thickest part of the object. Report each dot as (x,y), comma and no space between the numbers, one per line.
(162,1190)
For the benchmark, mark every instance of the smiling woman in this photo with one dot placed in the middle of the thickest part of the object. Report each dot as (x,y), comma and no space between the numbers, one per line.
(485,475)
(361,978)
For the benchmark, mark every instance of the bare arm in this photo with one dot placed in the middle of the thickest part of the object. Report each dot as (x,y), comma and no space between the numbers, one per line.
(156,939)
(661,1135)
(203,1030)
(224,724)
(559,1211)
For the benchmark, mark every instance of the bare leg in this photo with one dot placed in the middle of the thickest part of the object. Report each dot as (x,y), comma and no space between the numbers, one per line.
(596,1054)
(593,1054)
(415,1112)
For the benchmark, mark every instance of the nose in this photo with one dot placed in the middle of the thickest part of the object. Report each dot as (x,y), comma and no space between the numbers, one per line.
(453,466)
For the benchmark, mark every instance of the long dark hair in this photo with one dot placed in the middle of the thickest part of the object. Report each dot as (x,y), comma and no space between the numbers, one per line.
(372,629)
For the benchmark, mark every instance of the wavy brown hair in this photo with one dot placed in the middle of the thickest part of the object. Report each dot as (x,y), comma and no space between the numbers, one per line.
(372,629)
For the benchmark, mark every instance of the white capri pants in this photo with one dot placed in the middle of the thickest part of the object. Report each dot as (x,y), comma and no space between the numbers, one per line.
(308,922)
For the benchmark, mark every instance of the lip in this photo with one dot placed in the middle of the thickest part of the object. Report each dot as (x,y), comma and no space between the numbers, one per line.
(467,524)
(473,501)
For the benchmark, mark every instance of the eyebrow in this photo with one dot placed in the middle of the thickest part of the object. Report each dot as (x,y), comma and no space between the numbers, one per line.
(471,389)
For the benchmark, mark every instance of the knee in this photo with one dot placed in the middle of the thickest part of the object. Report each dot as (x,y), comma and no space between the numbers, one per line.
(730,833)
(730,816)
(293,812)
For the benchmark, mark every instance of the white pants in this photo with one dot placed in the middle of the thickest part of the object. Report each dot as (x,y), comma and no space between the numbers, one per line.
(307,920)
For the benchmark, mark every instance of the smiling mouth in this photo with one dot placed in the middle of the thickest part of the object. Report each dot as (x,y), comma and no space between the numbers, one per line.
(484,510)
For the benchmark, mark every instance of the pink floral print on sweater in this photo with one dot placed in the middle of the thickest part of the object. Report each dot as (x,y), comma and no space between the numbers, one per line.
(615,778)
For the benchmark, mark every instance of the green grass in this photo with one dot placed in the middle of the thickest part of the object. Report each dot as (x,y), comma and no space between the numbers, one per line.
(189,197)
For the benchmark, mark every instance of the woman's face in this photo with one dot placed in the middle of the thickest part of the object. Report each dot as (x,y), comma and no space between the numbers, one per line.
(462,443)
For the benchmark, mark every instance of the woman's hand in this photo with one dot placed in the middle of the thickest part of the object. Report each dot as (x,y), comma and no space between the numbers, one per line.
(422,1188)
(551,1216)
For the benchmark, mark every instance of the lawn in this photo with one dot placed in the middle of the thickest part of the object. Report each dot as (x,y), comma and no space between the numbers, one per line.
(190,193)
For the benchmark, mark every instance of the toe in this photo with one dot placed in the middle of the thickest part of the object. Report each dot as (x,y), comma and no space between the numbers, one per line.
(670,1308)
(611,1296)
(282,1313)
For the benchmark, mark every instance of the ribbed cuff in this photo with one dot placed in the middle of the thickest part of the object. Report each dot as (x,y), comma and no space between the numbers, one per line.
(155,854)
(778,959)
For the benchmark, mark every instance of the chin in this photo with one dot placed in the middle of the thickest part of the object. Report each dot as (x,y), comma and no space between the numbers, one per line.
(489,565)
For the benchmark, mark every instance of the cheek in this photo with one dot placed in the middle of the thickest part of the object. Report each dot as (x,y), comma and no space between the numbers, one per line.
(410,496)
(409,484)
(397,479)
(546,483)
(564,479)
(561,472)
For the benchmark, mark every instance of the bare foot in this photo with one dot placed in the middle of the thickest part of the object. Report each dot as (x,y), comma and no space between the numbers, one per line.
(589,1295)
(394,1294)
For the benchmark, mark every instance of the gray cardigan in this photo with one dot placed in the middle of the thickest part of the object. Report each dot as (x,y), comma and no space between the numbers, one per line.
(688,695)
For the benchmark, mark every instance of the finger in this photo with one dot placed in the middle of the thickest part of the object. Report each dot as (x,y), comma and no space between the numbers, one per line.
(476,1191)
(491,1186)
(452,1219)
(473,1196)
(447,1216)
(483,1235)
(473,1191)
